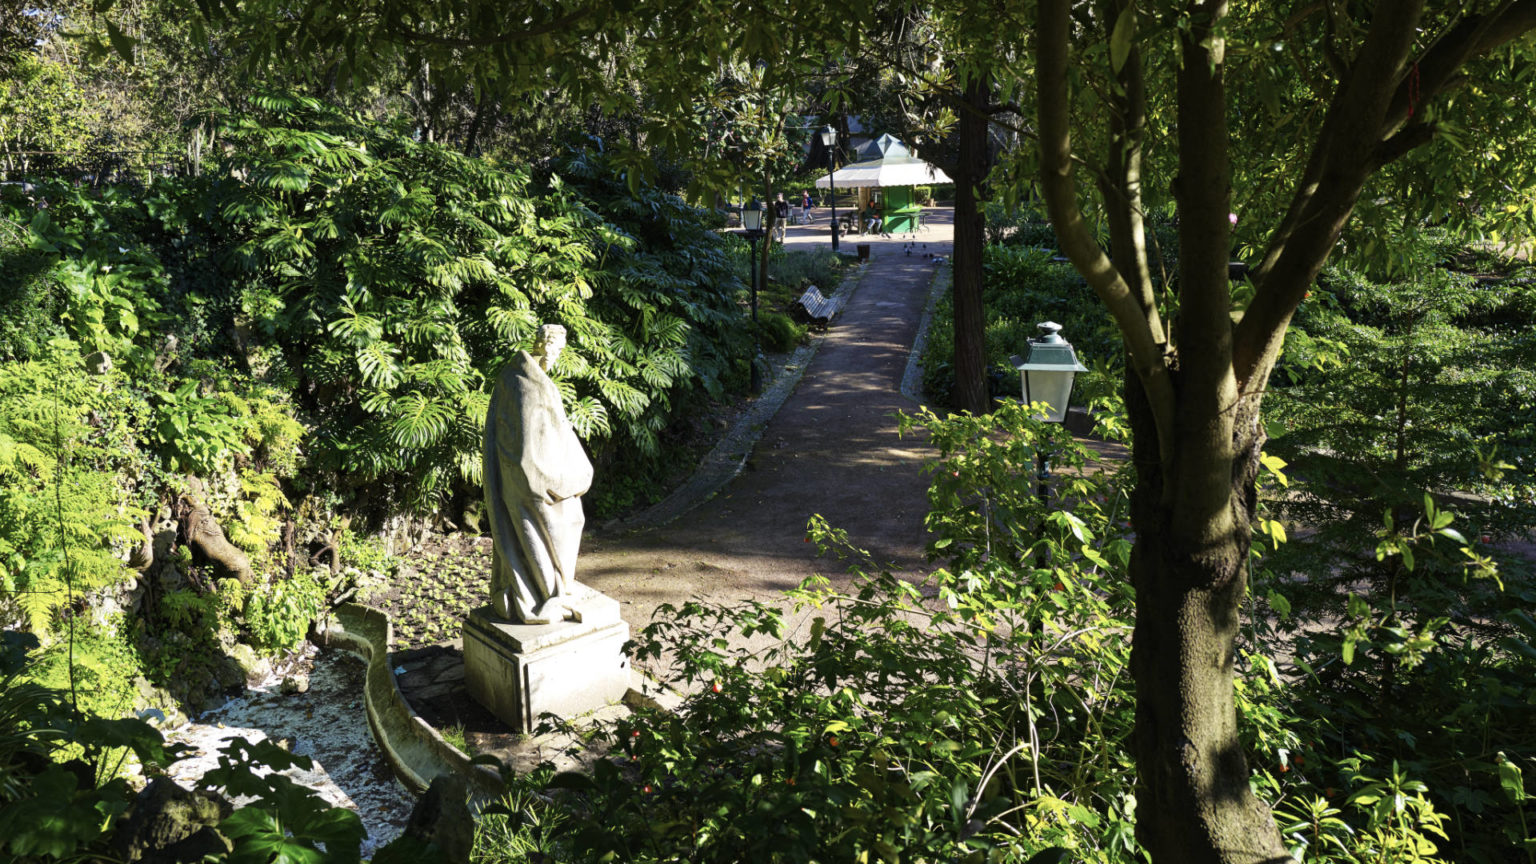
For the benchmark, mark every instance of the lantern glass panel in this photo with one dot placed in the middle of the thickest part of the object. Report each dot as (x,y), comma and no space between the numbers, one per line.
(1053,388)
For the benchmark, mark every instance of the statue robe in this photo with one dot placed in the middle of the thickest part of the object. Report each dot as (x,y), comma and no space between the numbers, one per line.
(535,473)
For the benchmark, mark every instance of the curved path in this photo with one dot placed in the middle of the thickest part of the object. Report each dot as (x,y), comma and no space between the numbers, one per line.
(831,449)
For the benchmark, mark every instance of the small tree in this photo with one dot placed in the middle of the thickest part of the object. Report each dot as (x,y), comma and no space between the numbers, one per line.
(1197,379)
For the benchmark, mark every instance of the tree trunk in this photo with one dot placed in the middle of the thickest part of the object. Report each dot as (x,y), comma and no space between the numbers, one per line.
(1193,799)
(971,393)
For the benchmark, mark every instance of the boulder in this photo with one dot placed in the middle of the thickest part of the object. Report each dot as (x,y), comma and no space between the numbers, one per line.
(252,665)
(169,823)
(442,819)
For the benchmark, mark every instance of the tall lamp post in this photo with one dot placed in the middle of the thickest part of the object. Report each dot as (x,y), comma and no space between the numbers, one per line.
(1046,376)
(829,141)
(752,229)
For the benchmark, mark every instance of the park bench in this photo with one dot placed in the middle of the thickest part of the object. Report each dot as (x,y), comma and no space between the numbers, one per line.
(813,308)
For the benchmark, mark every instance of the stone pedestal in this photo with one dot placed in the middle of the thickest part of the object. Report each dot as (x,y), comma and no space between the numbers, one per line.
(520,671)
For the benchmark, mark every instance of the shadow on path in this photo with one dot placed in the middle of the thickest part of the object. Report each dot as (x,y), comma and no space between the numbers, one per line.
(831,449)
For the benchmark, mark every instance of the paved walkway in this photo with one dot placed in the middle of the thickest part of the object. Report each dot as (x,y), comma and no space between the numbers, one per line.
(830,449)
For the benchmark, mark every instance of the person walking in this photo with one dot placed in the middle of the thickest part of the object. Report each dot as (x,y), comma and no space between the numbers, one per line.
(780,216)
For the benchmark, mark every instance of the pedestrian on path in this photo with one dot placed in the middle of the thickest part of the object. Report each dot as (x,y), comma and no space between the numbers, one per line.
(780,216)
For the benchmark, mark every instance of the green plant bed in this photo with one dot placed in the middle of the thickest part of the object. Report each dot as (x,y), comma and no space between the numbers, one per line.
(1022,287)
(428,593)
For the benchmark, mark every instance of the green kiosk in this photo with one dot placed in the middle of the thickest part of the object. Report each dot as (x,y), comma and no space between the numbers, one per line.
(885,164)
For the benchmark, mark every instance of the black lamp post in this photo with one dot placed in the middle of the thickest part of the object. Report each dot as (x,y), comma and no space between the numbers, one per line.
(829,140)
(1046,376)
(752,229)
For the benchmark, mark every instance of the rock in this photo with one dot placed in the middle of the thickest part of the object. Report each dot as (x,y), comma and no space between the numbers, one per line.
(442,818)
(252,666)
(297,683)
(229,675)
(169,823)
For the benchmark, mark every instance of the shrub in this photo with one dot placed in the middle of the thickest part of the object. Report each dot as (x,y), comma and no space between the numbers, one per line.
(778,333)
(876,732)
(1022,287)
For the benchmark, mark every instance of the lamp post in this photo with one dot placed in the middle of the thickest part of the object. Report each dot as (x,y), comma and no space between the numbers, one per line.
(829,140)
(752,229)
(1046,376)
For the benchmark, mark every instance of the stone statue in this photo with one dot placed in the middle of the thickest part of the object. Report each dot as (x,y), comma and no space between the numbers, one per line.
(535,474)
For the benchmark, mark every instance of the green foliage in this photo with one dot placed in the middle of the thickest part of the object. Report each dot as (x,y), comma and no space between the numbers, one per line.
(794,270)
(668,289)
(778,333)
(981,715)
(41,116)
(278,613)
(878,733)
(57,766)
(289,822)
(57,484)
(62,799)
(1403,415)
(1022,287)
(397,277)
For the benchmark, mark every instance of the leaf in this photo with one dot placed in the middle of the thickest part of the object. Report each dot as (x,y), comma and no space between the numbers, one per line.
(1120,40)
(122,43)
(958,793)
(1511,780)
(1053,855)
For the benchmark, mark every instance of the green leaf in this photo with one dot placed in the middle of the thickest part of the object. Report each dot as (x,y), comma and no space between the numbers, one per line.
(1120,40)
(1053,855)
(1511,780)
(122,43)
(1278,603)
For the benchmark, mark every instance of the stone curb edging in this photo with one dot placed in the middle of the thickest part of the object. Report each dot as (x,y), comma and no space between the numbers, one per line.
(912,380)
(416,752)
(729,456)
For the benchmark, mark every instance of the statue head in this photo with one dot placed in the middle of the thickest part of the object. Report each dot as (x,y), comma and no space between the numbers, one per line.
(548,344)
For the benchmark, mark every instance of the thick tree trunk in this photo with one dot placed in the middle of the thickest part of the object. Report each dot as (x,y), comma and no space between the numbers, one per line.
(971,393)
(1193,798)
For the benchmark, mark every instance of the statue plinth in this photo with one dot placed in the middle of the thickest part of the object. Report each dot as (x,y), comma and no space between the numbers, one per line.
(566,668)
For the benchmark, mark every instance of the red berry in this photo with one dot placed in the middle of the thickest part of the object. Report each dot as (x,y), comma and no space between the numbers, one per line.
(635,734)
(790,781)
(715,686)
(646,789)
(1056,587)
(832,741)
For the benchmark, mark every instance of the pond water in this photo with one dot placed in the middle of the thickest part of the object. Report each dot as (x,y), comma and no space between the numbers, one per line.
(328,724)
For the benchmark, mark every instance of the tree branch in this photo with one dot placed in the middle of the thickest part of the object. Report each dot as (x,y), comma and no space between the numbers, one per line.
(1438,66)
(1339,165)
(1120,182)
(1144,338)
(1208,393)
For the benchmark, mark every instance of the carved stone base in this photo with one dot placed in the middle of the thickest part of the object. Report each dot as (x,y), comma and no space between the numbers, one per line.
(567,668)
